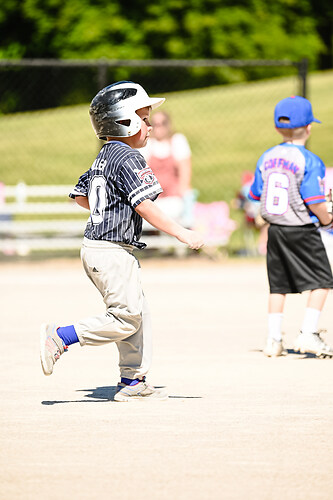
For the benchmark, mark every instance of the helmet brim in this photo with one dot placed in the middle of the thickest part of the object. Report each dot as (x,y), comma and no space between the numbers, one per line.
(154,102)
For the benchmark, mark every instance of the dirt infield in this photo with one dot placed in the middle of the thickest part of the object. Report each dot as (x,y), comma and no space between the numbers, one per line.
(236,426)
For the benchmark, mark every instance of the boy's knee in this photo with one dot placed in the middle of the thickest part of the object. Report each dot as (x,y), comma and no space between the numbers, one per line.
(134,323)
(129,322)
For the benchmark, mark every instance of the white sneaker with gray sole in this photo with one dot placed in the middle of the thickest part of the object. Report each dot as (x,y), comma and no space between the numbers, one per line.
(274,348)
(140,391)
(312,343)
(51,347)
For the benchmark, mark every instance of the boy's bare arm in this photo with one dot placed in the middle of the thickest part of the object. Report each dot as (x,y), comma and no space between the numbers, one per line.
(152,214)
(320,210)
(82,201)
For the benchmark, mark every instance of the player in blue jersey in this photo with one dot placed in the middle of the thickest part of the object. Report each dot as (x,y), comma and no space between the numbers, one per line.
(290,184)
(119,189)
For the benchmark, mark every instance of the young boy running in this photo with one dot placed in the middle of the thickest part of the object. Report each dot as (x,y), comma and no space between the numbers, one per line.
(118,189)
(289,182)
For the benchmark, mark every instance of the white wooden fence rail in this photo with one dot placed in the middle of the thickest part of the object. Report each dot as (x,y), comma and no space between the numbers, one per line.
(22,230)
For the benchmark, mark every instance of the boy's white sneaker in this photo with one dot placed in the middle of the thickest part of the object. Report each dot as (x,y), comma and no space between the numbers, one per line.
(314,344)
(274,348)
(140,391)
(51,347)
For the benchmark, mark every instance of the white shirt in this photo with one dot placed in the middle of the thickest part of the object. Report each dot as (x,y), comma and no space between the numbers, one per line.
(177,146)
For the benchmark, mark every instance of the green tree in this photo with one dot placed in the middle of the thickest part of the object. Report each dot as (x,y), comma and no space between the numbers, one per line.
(323,14)
(239,29)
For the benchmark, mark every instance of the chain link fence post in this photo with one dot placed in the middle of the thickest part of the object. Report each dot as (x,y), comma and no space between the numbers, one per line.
(303,67)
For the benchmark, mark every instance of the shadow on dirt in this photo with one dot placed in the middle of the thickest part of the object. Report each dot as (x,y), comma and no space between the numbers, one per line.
(103,395)
(295,354)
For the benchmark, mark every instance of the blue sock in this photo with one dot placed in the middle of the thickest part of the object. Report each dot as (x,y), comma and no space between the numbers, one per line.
(128,381)
(68,334)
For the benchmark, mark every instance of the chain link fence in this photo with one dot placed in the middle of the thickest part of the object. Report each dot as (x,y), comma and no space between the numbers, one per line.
(47,138)
(224,108)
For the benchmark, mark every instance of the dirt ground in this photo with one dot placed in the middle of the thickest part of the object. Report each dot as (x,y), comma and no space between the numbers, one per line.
(236,425)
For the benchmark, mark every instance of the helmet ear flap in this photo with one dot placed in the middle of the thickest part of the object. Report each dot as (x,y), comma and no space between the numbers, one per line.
(133,124)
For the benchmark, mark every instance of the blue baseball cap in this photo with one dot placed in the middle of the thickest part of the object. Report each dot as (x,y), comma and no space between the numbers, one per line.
(297,109)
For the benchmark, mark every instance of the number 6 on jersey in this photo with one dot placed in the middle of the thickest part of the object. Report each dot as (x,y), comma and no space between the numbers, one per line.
(277,193)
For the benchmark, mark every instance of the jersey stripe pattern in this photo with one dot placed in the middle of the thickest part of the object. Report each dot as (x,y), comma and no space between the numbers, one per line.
(288,180)
(117,182)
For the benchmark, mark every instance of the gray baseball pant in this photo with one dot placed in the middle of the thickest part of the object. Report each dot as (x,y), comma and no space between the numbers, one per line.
(115,272)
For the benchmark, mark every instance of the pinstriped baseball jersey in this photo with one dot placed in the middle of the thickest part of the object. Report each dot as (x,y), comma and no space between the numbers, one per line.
(288,180)
(118,181)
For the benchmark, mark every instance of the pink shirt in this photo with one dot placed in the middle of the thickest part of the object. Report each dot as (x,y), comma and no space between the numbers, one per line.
(163,157)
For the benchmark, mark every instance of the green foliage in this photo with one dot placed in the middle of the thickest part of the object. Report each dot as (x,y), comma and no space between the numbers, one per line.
(243,29)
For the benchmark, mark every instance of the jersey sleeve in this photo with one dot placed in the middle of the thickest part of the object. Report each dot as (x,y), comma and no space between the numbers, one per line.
(81,188)
(312,188)
(257,185)
(137,181)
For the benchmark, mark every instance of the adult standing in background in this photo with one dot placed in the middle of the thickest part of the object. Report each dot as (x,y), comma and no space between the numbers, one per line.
(169,156)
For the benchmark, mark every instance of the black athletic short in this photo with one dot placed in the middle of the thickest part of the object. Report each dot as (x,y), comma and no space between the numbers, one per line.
(297,259)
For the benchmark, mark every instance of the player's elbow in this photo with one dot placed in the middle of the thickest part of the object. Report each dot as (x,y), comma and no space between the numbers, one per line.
(252,197)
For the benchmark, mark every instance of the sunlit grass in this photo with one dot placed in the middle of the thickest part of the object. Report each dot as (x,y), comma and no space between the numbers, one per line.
(228,128)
